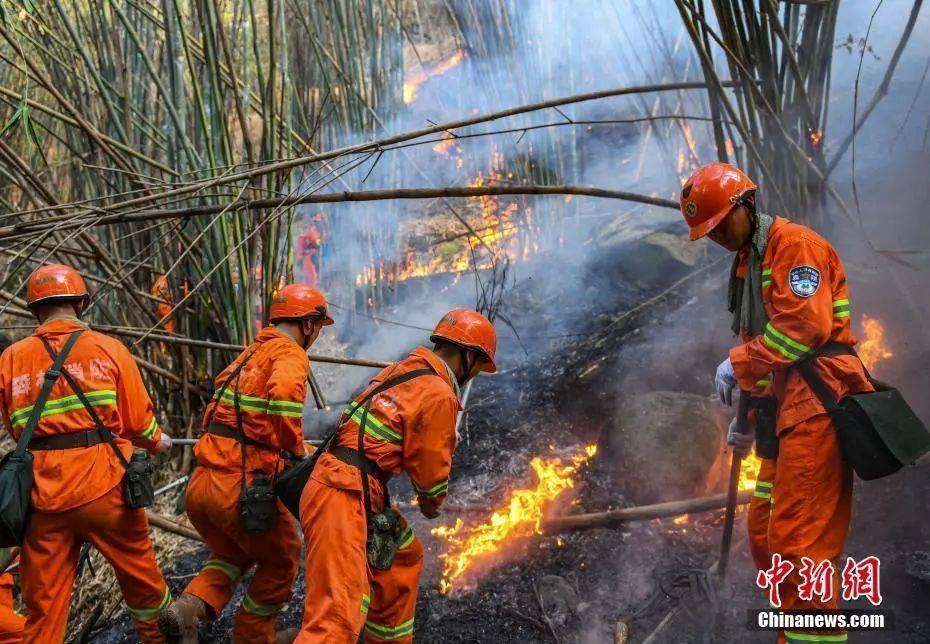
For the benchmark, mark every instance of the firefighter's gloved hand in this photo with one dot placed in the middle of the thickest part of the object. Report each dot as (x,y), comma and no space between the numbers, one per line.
(428,507)
(724,381)
(164,443)
(740,443)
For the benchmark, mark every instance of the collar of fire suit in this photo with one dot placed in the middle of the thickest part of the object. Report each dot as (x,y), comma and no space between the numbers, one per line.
(60,322)
(440,367)
(281,332)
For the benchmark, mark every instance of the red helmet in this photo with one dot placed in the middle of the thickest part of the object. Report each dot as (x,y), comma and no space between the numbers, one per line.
(55,281)
(299,301)
(469,330)
(710,195)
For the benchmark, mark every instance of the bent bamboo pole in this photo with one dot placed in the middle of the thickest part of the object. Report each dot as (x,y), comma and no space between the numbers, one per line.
(614,518)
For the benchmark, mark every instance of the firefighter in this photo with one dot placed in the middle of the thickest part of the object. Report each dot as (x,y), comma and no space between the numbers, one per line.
(11,622)
(162,291)
(789,300)
(255,416)
(77,495)
(309,245)
(409,412)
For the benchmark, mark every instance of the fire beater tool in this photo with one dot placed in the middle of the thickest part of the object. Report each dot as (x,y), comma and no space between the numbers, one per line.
(742,426)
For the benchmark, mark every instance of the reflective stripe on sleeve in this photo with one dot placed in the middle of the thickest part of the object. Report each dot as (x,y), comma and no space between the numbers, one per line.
(406,538)
(766,277)
(763,490)
(99,398)
(150,430)
(841,308)
(366,602)
(148,614)
(791,349)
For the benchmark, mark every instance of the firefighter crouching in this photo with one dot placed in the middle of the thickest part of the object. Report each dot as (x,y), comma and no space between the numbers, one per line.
(363,560)
(256,414)
(81,453)
(789,301)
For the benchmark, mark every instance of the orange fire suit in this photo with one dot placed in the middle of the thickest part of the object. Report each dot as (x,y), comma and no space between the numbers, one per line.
(805,296)
(272,387)
(308,248)
(11,622)
(160,289)
(77,494)
(410,428)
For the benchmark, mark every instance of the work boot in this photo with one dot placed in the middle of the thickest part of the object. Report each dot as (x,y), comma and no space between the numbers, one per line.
(286,636)
(178,623)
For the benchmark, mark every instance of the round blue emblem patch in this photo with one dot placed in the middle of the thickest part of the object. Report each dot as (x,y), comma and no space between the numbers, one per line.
(804,280)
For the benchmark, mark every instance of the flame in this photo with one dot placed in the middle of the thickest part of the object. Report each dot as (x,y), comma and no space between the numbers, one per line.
(816,136)
(520,516)
(412,86)
(445,145)
(749,471)
(872,349)
(681,519)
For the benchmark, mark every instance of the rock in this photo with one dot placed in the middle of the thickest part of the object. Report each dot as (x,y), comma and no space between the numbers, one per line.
(665,446)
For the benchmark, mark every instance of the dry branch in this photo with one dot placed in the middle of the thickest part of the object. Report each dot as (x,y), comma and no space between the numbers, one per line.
(165,523)
(613,518)
(66,221)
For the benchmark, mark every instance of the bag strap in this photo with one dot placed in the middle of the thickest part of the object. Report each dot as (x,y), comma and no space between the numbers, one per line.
(101,428)
(365,403)
(51,376)
(806,367)
(234,375)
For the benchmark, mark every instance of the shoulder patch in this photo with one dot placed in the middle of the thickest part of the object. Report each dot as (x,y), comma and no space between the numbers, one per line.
(804,280)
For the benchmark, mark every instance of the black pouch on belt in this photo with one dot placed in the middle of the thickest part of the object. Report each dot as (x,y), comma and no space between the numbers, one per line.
(258,507)
(766,411)
(138,486)
(384,531)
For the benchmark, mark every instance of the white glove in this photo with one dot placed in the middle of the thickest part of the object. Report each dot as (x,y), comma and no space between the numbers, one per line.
(164,443)
(740,443)
(724,381)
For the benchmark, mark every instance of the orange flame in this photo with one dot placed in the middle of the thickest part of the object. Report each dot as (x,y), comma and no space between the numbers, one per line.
(872,349)
(681,519)
(816,136)
(412,86)
(520,516)
(749,471)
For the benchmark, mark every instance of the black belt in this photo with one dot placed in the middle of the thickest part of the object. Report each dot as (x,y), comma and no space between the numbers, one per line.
(351,457)
(67,441)
(226,431)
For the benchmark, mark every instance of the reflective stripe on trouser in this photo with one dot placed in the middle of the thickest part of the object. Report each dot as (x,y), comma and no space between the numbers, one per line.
(757,519)
(213,507)
(339,579)
(812,505)
(49,563)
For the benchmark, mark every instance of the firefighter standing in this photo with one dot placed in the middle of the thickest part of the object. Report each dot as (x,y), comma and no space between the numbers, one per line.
(790,302)
(267,382)
(409,426)
(77,495)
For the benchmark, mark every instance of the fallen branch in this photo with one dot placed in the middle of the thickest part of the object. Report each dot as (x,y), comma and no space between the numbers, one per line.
(223,346)
(68,221)
(164,523)
(614,518)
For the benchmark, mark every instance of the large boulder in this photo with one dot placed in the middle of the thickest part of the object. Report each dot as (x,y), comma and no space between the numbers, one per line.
(665,446)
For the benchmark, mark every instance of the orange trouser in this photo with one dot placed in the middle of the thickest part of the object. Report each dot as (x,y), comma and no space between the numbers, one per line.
(760,510)
(811,509)
(344,595)
(11,623)
(49,564)
(213,508)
